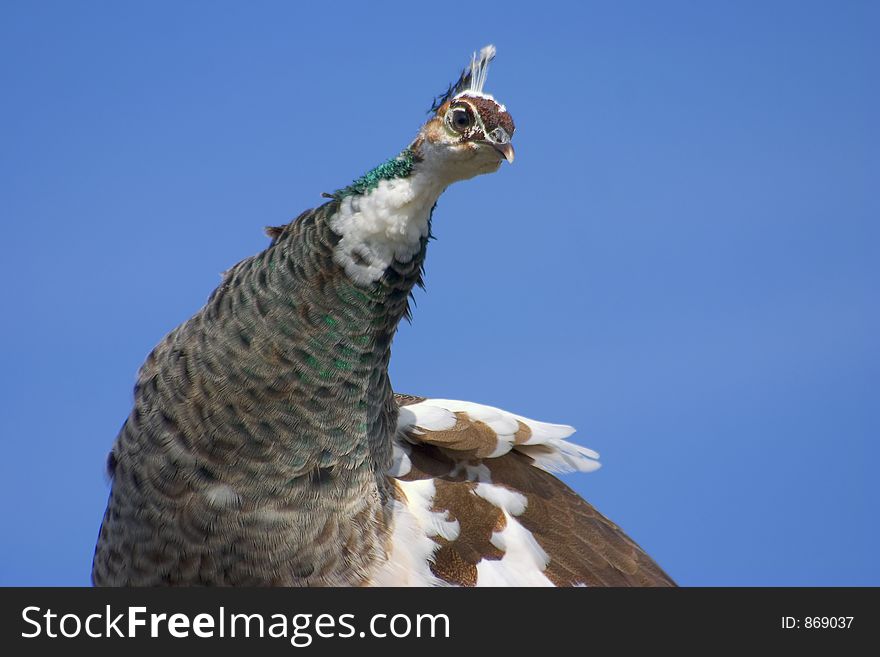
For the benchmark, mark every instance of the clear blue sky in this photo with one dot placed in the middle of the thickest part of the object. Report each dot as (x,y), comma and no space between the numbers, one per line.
(683,262)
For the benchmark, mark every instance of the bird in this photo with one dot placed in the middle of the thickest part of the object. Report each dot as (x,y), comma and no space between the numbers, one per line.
(267,447)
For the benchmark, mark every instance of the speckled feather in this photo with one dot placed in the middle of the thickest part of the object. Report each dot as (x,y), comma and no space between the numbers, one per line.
(258,442)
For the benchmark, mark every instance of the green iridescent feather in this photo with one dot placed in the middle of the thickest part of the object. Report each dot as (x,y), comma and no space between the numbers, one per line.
(397,167)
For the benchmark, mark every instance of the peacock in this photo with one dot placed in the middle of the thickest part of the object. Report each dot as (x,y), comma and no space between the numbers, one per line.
(267,447)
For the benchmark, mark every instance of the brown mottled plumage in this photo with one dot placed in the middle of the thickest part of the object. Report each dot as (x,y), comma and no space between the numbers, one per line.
(584,546)
(256,449)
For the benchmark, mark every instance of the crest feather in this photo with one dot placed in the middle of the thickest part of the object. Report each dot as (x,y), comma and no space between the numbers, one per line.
(471,80)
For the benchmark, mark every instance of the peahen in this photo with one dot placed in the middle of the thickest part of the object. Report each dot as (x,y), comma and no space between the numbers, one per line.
(266,445)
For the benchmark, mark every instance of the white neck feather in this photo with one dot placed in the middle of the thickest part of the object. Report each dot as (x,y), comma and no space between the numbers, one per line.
(385,224)
(389,222)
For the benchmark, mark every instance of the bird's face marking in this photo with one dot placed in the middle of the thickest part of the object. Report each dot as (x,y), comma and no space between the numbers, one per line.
(474,127)
(480,118)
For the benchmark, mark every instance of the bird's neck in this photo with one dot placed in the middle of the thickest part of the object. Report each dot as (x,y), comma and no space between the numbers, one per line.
(330,292)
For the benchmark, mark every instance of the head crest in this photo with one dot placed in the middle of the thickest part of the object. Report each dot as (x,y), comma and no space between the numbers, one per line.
(471,80)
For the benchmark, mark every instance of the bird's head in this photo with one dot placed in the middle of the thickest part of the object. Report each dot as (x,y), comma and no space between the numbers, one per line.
(469,132)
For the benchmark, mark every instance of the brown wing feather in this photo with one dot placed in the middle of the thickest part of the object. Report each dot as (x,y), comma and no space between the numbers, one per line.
(584,547)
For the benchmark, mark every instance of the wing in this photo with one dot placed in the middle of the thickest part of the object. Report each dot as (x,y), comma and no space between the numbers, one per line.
(478,505)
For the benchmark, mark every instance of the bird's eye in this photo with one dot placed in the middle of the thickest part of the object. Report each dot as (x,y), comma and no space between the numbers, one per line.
(459,119)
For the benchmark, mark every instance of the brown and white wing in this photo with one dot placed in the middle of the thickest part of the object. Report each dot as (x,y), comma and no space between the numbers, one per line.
(477,505)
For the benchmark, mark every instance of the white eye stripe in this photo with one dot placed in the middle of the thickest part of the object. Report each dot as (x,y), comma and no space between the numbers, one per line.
(476,125)
(499,136)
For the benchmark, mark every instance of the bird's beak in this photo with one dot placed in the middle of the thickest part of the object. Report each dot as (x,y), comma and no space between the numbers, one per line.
(505,149)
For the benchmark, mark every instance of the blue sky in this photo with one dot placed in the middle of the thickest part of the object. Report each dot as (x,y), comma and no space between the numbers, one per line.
(683,262)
